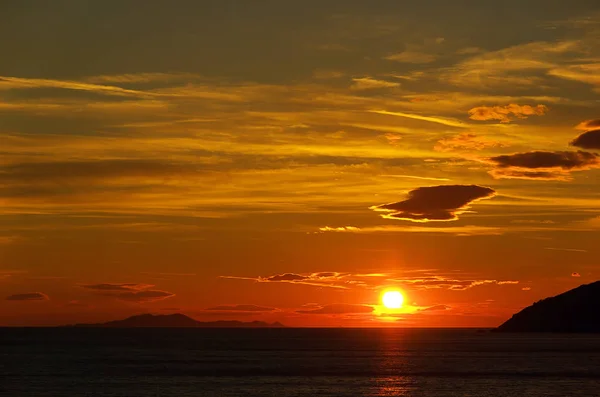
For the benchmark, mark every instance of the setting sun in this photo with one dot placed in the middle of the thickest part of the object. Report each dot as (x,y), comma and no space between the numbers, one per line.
(392,299)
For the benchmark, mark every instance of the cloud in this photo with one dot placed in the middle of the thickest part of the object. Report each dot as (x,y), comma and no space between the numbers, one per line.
(7,82)
(117,287)
(131,292)
(426,279)
(31,296)
(5,240)
(435,308)
(575,274)
(286,277)
(543,165)
(587,73)
(435,203)
(468,230)
(565,249)
(438,120)
(415,57)
(443,282)
(137,78)
(520,66)
(339,308)
(368,83)
(465,141)
(503,113)
(241,308)
(87,170)
(319,279)
(588,140)
(145,296)
(588,125)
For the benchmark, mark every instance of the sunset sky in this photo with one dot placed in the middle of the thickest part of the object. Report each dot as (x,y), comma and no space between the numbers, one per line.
(291,160)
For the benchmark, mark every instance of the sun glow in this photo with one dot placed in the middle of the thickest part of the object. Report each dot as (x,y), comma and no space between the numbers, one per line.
(392,299)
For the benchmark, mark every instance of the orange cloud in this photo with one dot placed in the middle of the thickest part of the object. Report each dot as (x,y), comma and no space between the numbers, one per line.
(435,203)
(503,113)
(588,125)
(465,141)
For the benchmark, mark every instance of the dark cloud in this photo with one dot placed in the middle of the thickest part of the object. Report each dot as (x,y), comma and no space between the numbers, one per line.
(30,296)
(435,308)
(132,292)
(287,277)
(242,308)
(588,140)
(543,165)
(539,159)
(126,287)
(145,296)
(435,203)
(339,308)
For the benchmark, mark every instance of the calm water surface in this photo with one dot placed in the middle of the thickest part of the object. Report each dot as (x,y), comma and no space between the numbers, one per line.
(295,362)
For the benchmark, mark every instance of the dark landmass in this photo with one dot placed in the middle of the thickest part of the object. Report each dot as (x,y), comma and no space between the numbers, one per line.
(576,311)
(175,321)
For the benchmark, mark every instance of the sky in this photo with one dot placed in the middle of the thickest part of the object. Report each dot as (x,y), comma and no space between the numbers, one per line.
(291,160)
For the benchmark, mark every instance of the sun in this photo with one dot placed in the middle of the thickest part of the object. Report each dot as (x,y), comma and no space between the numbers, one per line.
(392,299)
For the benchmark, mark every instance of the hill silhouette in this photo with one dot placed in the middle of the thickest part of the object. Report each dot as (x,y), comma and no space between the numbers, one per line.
(176,320)
(577,310)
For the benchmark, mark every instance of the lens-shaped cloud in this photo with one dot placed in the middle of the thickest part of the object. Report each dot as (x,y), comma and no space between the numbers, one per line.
(30,296)
(588,140)
(435,203)
(542,165)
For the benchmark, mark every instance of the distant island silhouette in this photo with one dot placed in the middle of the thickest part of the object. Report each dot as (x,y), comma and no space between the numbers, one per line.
(176,320)
(576,311)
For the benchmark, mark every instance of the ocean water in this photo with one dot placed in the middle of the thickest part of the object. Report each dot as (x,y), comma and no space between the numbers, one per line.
(295,362)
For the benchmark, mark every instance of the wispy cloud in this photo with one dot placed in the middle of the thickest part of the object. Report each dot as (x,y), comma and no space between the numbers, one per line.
(7,82)
(565,249)
(432,119)
(368,83)
(421,280)
(339,308)
(240,308)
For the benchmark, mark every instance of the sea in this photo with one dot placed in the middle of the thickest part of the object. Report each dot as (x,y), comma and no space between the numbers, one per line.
(295,362)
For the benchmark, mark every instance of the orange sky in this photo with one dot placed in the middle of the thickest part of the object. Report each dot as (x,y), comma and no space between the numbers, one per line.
(289,161)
